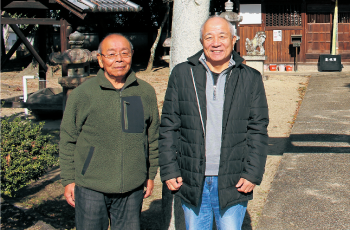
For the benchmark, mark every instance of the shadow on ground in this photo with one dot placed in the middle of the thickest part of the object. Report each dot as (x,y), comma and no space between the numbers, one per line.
(56,213)
(152,218)
(318,143)
(309,143)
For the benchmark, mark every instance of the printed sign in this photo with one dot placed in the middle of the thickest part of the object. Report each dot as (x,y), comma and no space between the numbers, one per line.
(277,35)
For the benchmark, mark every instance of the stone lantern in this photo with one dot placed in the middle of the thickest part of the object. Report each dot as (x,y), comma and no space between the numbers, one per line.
(77,60)
(231,16)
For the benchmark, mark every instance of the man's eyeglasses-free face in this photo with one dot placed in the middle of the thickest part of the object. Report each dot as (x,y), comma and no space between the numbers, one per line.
(124,54)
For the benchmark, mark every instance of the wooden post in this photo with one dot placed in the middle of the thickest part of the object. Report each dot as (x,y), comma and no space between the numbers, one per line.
(65,31)
(335,29)
(303,47)
(296,59)
(42,54)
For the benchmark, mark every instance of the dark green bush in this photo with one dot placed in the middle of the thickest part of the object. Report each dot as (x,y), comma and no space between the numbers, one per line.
(26,153)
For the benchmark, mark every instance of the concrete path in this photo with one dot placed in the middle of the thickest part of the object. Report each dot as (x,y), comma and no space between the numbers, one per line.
(311,189)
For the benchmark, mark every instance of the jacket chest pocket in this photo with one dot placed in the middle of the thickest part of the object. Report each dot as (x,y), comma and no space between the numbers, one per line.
(132,114)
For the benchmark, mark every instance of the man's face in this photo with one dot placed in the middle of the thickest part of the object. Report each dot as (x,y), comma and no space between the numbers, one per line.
(116,66)
(217,41)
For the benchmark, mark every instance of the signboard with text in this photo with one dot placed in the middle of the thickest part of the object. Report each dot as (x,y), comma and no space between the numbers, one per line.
(277,35)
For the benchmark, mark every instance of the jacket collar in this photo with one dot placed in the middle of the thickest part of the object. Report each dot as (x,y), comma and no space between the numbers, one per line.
(203,60)
(105,83)
(194,60)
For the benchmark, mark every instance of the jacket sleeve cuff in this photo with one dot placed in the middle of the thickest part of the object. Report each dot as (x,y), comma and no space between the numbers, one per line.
(170,176)
(252,179)
(66,182)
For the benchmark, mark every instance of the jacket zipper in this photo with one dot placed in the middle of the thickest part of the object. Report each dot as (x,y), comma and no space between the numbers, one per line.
(121,162)
(215,86)
(126,122)
(214,92)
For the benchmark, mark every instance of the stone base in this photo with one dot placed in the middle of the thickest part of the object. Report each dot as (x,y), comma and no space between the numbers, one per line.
(70,83)
(256,62)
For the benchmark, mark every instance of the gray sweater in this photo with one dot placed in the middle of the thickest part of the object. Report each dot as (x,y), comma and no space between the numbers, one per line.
(215,94)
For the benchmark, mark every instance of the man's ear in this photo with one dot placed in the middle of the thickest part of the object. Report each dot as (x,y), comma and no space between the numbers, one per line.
(234,39)
(99,59)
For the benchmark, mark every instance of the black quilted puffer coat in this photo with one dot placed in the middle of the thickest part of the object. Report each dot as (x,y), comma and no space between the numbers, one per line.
(244,130)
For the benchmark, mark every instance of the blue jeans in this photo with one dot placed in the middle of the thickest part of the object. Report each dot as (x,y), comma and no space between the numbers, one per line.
(96,211)
(201,217)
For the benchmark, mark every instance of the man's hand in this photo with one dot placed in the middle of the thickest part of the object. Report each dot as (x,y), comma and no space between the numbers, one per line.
(69,194)
(174,184)
(149,184)
(245,186)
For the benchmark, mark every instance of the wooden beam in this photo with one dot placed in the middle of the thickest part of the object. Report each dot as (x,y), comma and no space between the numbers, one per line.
(30,21)
(29,46)
(26,5)
(15,46)
(81,16)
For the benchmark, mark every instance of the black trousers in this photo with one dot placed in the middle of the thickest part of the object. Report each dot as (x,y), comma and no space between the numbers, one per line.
(95,210)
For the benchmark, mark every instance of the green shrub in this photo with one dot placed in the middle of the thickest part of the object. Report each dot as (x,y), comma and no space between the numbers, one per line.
(26,153)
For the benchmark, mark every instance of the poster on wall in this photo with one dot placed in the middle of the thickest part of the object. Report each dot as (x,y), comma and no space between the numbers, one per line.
(251,13)
(277,35)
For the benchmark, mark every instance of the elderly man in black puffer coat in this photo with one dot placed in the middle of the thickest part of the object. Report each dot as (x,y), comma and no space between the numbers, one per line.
(213,133)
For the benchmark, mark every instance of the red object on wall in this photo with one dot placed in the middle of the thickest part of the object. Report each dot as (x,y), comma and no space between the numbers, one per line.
(273,67)
(289,68)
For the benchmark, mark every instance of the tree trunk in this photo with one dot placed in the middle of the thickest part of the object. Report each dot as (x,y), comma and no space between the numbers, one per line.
(155,44)
(188,16)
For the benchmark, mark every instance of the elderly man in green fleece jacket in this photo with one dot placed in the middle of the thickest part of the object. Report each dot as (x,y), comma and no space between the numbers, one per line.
(109,142)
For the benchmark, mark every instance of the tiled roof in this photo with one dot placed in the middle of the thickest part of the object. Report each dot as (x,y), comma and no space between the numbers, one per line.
(105,5)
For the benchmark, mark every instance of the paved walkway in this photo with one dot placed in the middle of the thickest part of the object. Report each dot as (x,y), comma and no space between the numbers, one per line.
(311,189)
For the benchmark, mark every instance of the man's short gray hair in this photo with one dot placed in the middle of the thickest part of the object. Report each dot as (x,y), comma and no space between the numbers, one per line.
(232,28)
(99,50)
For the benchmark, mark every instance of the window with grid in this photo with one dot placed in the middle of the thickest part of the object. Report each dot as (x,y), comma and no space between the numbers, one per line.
(344,17)
(283,15)
(318,18)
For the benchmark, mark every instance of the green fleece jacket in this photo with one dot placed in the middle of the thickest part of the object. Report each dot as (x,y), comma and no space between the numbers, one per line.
(109,137)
